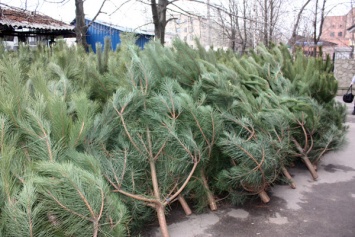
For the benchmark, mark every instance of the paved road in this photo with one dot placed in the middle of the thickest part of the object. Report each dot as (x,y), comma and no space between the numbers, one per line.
(322,208)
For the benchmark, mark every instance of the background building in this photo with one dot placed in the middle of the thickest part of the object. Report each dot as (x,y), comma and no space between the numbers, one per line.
(335,31)
(188,27)
(18,25)
(99,30)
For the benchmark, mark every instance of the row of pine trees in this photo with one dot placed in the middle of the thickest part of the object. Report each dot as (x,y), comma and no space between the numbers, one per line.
(101,144)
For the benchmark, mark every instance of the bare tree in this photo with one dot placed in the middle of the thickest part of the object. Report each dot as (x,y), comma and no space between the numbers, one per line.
(247,23)
(318,23)
(297,22)
(159,18)
(236,18)
(236,23)
(80,25)
(159,13)
(270,12)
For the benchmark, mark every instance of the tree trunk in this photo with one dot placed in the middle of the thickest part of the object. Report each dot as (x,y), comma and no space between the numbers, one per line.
(245,30)
(160,209)
(264,197)
(184,205)
(159,18)
(271,21)
(80,26)
(211,199)
(96,228)
(266,41)
(310,167)
(233,40)
(305,159)
(295,27)
(315,29)
(288,176)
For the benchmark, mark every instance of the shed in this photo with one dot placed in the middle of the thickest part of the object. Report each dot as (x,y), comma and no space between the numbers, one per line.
(30,27)
(98,30)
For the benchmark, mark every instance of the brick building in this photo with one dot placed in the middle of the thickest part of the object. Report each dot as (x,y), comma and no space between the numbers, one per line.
(335,31)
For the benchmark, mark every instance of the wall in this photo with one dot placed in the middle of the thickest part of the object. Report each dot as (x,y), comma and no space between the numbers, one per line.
(344,70)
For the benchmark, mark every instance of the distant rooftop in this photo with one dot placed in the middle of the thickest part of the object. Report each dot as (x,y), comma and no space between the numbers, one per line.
(12,19)
(120,28)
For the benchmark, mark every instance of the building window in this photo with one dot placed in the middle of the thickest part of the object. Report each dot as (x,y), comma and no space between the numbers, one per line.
(185,29)
(332,34)
(340,26)
(340,34)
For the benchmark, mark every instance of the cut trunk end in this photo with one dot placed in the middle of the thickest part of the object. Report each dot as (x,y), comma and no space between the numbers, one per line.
(212,202)
(210,198)
(289,178)
(184,205)
(264,197)
(310,167)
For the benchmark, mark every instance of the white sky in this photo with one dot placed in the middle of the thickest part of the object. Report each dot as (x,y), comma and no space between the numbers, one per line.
(133,14)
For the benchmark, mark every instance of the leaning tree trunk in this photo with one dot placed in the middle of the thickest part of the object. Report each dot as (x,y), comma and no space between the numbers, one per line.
(184,205)
(305,159)
(288,176)
(211,200)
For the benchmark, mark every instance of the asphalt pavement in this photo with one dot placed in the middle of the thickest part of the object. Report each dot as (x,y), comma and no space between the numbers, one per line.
(321,208)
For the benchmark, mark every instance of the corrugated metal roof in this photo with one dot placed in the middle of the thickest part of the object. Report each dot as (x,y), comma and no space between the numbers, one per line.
(18,18)
(121,28)
(98,31)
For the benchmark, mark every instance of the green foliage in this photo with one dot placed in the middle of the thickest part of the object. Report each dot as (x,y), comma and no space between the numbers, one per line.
(23,216)
(78,202)
(85,136)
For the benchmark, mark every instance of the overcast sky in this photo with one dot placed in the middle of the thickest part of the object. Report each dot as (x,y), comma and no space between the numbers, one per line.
(132,14)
